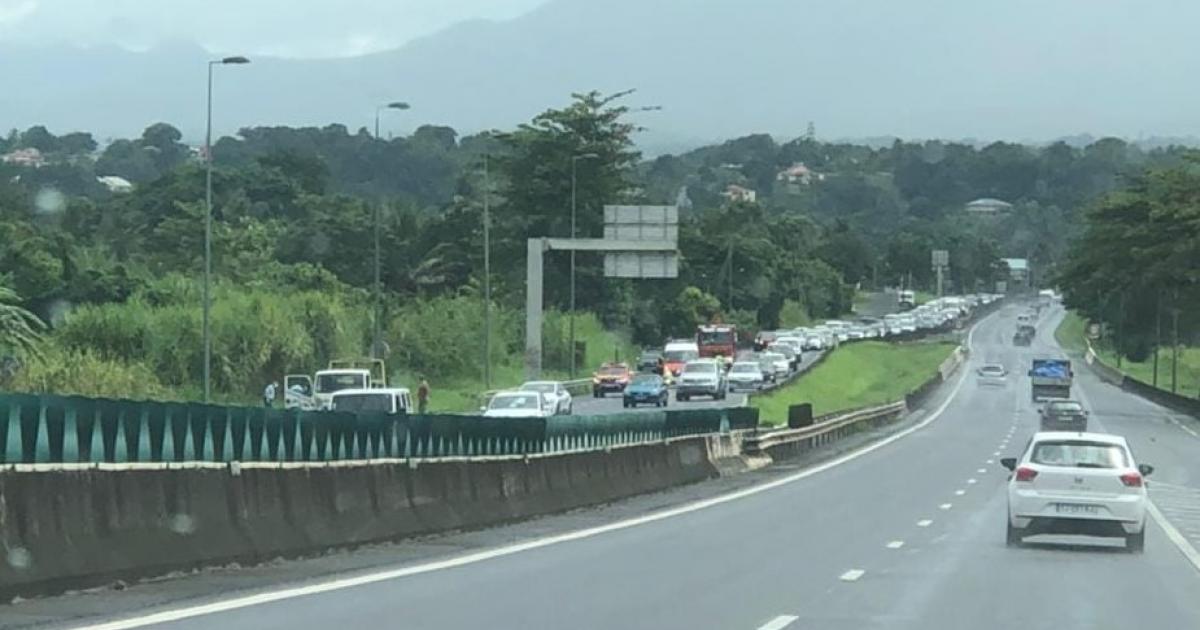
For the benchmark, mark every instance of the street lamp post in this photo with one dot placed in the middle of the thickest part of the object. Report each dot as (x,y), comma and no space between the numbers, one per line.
(487,276)
(375,323)
(208,225)
(574,207)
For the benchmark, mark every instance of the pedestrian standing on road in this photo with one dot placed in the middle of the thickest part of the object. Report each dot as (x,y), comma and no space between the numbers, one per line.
(422,396)
(269,394)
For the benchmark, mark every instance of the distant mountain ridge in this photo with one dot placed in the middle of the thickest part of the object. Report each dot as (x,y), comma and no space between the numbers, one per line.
(991,69)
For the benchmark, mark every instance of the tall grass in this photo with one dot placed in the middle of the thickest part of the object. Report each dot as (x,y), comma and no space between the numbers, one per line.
(84,373)
(259,335)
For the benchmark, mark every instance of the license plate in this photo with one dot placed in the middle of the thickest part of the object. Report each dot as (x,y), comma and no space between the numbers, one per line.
(1075,508)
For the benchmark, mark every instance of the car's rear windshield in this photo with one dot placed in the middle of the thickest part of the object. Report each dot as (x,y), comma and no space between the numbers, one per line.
(647,379)
(612,371)
(1069,407)
(1079,454)
(773,356)
(699,368)
(746,367)
(993,368)
(680,355)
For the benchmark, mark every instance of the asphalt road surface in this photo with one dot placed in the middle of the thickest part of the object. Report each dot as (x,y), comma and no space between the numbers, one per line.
(908,535)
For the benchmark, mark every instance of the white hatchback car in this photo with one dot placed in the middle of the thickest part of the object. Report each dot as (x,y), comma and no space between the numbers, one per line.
(556,395)
(1077,483)
(518,405)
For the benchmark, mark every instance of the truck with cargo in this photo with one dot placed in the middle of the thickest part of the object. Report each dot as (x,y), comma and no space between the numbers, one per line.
(1050,378)
(316,392)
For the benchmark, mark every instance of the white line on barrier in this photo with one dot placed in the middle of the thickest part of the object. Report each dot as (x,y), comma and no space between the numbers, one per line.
(778,623)
(852,575)
(266,597)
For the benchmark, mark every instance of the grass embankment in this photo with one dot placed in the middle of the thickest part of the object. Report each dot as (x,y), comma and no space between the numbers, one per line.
(858,375)
(1070,335)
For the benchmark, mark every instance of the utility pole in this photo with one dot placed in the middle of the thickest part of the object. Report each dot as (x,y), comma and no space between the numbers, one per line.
(1120,328)
(1174,339)
(574,209)
(487,277)
(1157,333)
(729,261)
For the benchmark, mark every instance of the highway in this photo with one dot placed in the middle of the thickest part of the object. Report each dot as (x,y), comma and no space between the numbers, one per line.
(907,535)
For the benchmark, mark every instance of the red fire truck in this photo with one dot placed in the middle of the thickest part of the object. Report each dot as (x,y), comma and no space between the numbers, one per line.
(717,340)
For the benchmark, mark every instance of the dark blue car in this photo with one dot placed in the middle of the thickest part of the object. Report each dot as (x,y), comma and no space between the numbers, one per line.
(647,389)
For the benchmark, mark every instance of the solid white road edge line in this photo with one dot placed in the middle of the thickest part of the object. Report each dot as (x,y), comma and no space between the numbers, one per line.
(267,597)
(1181,541)
(778,623)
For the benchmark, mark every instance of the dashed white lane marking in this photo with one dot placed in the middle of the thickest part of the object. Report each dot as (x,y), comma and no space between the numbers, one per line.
(990,461)
(945,506)
(996,454)
(895,544)
(778,623)
(981,471)
(972,480)
(959,492)
(924,522)
(852,575)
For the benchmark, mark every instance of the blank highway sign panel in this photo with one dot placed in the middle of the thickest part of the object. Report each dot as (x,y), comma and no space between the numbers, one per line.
(641,265)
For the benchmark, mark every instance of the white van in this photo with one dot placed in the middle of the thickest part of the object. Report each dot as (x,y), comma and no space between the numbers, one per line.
(390,400)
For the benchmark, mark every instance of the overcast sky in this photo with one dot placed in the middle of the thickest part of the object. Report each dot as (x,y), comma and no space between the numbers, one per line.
(289,28)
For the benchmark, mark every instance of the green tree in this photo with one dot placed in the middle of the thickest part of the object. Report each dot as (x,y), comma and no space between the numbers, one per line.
(535,166)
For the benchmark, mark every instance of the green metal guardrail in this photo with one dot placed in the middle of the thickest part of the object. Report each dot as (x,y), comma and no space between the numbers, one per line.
(54,429)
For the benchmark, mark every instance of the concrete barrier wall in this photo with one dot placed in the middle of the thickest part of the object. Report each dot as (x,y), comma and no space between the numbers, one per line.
(81,526)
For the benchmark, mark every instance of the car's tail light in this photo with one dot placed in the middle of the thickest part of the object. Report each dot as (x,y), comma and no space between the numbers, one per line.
(1025,473)
(1132,480)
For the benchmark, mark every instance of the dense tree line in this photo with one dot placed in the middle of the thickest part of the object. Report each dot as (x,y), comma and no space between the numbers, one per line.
(1136,267)
(115,274)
